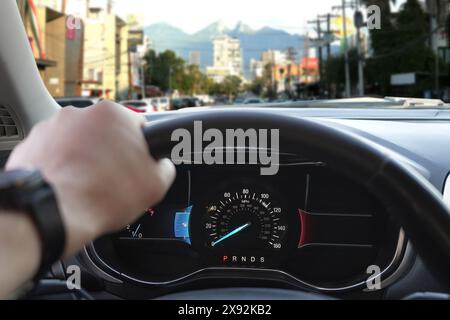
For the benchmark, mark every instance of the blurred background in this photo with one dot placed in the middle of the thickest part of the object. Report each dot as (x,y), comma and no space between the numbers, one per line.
(155,56)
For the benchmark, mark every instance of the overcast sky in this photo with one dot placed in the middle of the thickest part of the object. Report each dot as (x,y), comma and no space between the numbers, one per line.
(193,15)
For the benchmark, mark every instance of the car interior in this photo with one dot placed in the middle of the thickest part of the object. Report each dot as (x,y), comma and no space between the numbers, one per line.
(359,209)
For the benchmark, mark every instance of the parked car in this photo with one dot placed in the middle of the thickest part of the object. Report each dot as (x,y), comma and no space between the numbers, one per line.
(77,102)
(198,102)
(185,102)
(178,103)
(253,101)
(141,106)
(161,103)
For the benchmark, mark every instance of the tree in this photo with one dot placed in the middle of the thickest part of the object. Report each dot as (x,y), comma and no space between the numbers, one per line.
(402,48)
(257,86)
(231,86)
(194,81)
(336,73)
(164,70)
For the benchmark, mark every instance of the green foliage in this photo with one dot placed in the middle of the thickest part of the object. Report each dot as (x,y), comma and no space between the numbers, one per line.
(164,70)
(263,86)
(169,72)
(401,46)
(231,86)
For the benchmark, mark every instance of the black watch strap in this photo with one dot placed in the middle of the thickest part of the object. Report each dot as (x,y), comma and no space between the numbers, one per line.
(43,208)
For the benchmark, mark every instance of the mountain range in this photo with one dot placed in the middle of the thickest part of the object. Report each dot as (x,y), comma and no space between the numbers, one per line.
(253,42)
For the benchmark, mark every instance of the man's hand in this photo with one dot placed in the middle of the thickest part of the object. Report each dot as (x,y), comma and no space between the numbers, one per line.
(98,163)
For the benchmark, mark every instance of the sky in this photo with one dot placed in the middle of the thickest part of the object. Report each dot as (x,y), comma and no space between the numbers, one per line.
(193,15)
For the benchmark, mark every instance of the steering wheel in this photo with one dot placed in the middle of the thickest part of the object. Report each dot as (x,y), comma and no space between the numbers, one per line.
(407,195)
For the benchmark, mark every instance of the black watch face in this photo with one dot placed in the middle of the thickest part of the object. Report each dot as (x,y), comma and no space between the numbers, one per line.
(18,178)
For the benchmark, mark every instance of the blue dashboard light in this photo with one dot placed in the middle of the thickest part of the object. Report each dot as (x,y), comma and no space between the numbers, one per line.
(181,225)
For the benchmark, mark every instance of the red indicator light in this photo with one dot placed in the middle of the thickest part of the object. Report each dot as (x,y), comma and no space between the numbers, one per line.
(304,224)
(225,258)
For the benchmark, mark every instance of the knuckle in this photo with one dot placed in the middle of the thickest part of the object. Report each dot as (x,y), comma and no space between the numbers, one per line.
(106,109)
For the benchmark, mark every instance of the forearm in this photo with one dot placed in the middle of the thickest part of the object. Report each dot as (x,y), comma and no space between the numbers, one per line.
(20,251)
(99,187)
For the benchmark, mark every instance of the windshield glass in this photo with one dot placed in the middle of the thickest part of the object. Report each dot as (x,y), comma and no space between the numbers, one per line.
(240,52)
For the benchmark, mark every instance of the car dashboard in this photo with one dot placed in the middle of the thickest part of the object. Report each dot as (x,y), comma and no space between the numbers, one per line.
(307,228)
(307,224)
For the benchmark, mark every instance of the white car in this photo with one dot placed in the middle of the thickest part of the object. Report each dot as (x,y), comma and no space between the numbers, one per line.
(141,106)
(161,103)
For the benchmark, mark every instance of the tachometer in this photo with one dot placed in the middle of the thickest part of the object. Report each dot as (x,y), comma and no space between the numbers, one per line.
(245,218)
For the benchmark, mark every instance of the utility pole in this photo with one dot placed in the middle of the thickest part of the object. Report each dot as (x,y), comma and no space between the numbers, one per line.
(104,65)
(319,44)
(141,56)
(141,67)
(170,80)
(319,39)
(318,30)
(347,64)
(359,23)
(343,7)
(305,60)
(434,44)
(328,39)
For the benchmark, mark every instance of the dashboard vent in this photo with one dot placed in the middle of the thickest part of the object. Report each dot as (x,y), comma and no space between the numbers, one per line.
(8,125)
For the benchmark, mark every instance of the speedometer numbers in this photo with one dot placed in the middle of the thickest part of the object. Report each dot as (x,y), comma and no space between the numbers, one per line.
(245,219)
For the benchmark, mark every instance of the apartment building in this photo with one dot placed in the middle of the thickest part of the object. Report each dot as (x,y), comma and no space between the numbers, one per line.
(106,56)
(227,58)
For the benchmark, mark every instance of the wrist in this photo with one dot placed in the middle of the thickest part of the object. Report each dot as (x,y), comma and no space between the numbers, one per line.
(71,206)
(20,246)
(79,231)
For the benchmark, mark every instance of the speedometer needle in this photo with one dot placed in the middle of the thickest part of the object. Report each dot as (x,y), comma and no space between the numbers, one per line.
(232,233)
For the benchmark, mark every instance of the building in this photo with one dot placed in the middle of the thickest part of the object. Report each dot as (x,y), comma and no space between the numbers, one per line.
(274,57)
(194,58)
(56,40)
(136,50)
(106,69)
(286,72)
(82,48)
(227,58)
(256,68)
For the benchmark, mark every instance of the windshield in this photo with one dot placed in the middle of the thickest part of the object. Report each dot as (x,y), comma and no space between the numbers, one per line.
(240,52)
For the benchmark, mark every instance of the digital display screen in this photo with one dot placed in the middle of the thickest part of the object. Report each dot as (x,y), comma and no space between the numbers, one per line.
(164,222)
(181,224)
(167,221)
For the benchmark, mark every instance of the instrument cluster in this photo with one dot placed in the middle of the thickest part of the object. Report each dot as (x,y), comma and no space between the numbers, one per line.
(308,225)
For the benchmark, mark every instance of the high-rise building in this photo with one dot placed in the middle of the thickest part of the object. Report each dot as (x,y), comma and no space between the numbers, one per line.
(227,58)
(194,58)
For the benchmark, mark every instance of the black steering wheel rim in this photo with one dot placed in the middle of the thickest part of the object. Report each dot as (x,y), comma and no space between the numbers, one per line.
(408,196)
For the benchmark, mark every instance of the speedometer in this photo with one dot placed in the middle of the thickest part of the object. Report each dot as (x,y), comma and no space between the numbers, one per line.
(245,218)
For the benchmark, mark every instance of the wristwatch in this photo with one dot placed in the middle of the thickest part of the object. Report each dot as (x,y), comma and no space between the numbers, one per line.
(27,191)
